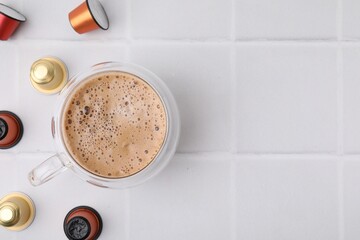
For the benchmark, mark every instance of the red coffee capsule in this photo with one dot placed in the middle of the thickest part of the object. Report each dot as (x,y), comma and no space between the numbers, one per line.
(11,129)
(83,223)
(10,20)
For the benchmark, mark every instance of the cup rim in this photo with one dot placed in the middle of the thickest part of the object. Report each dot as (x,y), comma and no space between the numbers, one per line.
(171,128)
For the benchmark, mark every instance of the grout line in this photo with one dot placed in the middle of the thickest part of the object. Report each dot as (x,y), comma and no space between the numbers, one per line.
(233,101)
(339,20)
(233,125)
(189,41)
(233,83)
(341,221)
(239,157)
(233,202)
(128,20)
(127,215)
(233,21)
(247,153)
(340,101)
(287,39)
(17,82)
(340,81)
(340,115)
(128,31)
(17,174)
(226,154)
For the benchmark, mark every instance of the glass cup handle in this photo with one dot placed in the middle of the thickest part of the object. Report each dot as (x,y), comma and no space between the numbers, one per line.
(47,170)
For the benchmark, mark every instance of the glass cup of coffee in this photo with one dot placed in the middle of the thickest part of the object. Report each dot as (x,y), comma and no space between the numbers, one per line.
(116,126)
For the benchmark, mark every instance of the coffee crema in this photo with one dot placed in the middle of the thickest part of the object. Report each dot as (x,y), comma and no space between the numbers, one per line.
(114,124)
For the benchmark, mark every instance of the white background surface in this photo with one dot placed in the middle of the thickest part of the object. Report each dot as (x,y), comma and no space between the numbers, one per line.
(268,92)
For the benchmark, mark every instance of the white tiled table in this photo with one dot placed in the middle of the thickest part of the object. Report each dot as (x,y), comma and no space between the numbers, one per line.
(268,92)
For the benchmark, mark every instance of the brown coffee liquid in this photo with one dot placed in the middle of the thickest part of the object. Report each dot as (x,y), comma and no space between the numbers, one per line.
(114,124)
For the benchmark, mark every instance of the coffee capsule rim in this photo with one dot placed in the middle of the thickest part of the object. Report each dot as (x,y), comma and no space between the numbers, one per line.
(63,82)
(92,210)
(91,10)
(31,206)
(12,10)
(21,130)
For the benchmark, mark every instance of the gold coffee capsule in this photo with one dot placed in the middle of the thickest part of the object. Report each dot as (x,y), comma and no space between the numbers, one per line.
(48,75)
(17,211)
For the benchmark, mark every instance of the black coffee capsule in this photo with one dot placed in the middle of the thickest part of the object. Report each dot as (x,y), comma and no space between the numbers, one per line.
(11,129)
(83,223)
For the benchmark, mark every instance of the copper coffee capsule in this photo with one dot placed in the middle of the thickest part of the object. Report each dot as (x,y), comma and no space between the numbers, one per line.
(89,16)
(11,129)
(17,211)
(83,223)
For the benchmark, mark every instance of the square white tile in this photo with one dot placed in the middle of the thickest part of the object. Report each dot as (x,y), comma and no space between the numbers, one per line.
(174,19)
(199,77)
(54,22)
(281,19)
(287,96)
(190,199)
(351,75)
(286,199)
(37,109)
(351,19)
(351,196)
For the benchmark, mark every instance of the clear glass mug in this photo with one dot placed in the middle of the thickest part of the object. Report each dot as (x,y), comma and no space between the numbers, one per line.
(63,160)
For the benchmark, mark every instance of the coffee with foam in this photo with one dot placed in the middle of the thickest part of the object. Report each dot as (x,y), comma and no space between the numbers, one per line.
(114,124)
